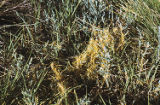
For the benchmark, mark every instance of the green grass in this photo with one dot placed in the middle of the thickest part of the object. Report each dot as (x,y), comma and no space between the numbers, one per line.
(79,52)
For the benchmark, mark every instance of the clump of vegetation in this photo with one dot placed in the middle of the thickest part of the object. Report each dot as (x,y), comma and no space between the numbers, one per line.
(82,52)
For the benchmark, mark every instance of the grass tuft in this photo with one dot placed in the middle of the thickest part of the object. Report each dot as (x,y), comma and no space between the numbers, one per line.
(79,52)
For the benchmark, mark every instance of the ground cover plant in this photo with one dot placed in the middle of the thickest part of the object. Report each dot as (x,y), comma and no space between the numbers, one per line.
(79,52)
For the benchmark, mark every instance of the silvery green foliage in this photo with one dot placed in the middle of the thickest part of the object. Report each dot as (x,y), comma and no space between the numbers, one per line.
(95,11)
(63,12)
(28,97)
(84,101)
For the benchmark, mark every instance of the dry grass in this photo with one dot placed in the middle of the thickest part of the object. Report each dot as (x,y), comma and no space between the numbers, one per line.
(79,52)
